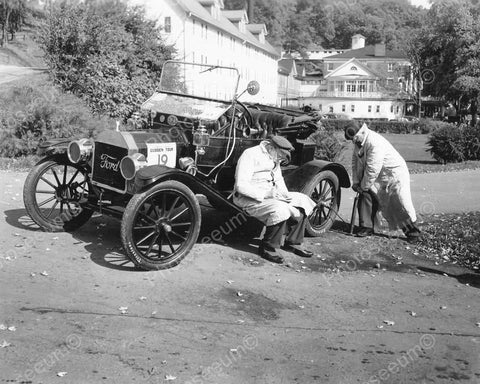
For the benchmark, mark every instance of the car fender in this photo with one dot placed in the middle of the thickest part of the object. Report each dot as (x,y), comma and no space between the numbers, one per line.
(53,146)
(60,158)
(299,177)
(154,174)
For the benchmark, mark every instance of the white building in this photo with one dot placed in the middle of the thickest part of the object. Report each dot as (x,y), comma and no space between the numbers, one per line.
(203,32)
(366,82)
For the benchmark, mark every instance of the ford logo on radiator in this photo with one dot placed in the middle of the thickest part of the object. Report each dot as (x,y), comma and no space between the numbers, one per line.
(109,162)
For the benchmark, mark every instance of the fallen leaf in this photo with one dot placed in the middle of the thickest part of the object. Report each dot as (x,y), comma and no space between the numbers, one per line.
(61,374)
(12,328)
(170,377)
(5,344)
(230,281)
(389,322)
(44,273)
(239,294)
(443,307)
(142,298)
(123,310)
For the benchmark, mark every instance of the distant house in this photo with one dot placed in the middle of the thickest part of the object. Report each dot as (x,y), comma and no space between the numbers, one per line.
(368,82)
(204,32)
(289,83)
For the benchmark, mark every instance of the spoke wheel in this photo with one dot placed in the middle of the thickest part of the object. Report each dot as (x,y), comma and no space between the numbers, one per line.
(53,194)
(324,190)
(161,225)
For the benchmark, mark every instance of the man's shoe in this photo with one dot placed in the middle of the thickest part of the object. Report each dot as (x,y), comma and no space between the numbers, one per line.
(272,256)
(297,250)
(413,236)
(364,232)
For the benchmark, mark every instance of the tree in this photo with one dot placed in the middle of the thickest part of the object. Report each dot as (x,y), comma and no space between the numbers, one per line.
(13,14)
(105,52)
(448,47)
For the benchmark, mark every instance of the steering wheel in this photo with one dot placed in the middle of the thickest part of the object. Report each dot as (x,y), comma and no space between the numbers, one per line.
(240,107)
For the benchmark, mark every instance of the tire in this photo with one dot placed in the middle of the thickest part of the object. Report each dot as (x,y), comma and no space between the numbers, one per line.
(69,187)
(168,216)
(323,188)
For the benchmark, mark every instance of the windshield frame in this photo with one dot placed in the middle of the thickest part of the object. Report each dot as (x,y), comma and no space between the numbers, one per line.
(203,68)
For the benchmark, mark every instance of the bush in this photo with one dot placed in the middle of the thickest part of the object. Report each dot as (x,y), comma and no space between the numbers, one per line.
(451,144)
(106,52)
(328,145)
(423,126)
(430,125)
(33,112)
(471,142)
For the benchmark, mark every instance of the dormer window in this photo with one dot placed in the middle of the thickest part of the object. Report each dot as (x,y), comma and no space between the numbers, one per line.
(353,68)
(213,7)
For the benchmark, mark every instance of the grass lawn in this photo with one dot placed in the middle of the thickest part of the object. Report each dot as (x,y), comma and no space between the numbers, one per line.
(413,148)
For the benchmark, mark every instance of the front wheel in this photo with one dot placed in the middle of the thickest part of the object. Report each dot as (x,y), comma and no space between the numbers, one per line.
(53,194)
(323,188)
(161,225)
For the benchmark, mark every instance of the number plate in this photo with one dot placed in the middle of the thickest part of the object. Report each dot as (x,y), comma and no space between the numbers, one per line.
(162,154)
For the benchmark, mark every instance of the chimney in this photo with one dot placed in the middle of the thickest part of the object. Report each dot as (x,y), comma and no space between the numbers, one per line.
(358,41)
(379,50)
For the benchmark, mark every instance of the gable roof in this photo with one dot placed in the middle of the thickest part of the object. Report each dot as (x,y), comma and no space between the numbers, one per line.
(287,66)
(365,71)
(194,8)
(235,14)
(367,52)
(257,28)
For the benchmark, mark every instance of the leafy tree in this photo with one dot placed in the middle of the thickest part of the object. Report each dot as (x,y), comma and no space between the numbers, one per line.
(13,14)
(448,47)
(107,53)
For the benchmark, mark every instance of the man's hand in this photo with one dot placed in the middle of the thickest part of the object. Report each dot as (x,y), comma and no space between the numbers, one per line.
(274,194)
(356,187)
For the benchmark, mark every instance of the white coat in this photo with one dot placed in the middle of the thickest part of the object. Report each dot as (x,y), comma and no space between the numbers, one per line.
(377,165)
(256,177)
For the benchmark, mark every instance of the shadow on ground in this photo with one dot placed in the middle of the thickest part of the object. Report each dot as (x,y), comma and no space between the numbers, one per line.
(334,252)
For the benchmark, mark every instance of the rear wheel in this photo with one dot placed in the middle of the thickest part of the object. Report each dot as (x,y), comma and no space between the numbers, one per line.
(160,226)
(53,194)
(324,190)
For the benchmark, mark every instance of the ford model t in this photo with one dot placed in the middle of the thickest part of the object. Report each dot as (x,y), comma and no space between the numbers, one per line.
(185,142)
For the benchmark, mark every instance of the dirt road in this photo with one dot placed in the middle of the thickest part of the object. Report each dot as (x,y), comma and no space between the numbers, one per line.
(9,72)
(361,311)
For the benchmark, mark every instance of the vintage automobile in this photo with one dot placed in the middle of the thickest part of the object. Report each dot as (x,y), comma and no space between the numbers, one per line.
(185,142)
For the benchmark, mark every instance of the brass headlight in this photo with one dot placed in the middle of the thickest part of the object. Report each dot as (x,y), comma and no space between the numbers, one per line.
(79,150)
(130,165)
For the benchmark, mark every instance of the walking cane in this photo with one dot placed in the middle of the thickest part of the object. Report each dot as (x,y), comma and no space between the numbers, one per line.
(354,213)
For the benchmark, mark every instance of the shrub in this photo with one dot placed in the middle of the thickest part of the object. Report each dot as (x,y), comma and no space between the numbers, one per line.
(430,125)
(447,144)
(328,145)
(471,142)
(105,52)
(34,112)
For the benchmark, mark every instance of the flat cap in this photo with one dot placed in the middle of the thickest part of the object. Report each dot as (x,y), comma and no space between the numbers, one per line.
(351,129)
(281,142)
